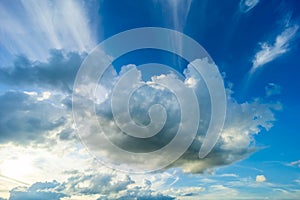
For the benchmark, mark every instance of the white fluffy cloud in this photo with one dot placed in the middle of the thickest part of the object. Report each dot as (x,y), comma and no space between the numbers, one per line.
(260,178)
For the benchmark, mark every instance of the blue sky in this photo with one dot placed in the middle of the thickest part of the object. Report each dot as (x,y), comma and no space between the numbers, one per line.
(254,44)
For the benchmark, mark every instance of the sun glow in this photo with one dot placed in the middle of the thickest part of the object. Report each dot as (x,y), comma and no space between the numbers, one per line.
(19,169)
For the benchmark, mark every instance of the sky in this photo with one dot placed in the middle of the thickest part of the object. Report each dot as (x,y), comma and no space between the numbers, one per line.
(48,149)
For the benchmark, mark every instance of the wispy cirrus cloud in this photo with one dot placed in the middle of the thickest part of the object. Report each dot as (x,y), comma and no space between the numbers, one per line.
(33,27)
(180,11)
(295,163)
(273,89)
(270,52)
(247,5)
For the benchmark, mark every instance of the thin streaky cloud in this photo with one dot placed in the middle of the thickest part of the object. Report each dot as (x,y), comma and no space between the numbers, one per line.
(270,52)
(229,175)
(273,89)
(295,163)
(42,25)
(12,180)
(247,5)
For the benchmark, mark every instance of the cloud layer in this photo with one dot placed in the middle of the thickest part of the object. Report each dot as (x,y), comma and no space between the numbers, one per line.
(89,185)
(21,114)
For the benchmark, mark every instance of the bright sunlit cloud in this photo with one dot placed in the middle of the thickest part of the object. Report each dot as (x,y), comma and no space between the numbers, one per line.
(260,178)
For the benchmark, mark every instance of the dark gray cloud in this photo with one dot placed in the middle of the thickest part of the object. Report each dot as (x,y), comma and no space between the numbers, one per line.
(67,134)
(25,114)
(57,73)
(24,119)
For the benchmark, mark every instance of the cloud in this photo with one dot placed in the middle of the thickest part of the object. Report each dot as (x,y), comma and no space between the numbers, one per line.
(220,191)
(180,11)
(247,5)
(32,28)
(295,163)
(58,73)
(270,52)
(91,184)
(229,175)
(185,191)
(37,191)
(260,178)
(97,183)
(51,160)
(135,195)
(24,118)
(42,116)
(243,122)
(272,89)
